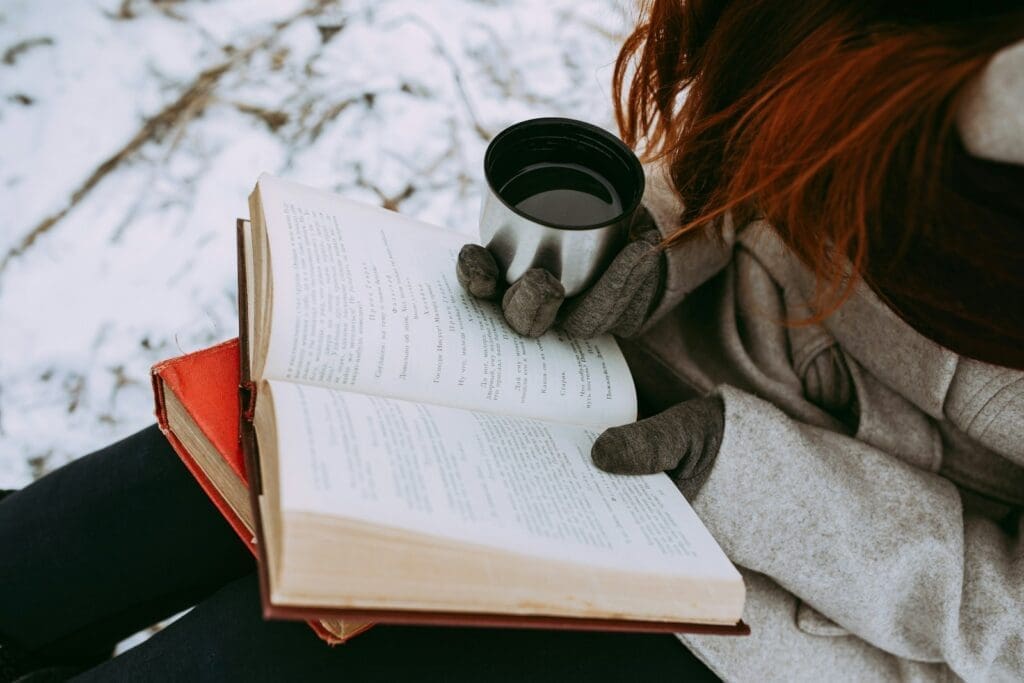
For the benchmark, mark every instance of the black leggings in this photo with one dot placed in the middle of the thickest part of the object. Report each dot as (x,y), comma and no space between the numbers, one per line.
(122,538)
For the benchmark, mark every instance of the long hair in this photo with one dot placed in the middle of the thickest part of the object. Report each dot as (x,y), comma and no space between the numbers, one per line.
(828,118)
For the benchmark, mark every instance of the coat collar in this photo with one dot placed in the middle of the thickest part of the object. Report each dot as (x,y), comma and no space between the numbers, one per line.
(866,329)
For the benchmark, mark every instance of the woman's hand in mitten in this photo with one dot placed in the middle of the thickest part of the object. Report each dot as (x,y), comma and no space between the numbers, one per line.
(683,441)
(619,302)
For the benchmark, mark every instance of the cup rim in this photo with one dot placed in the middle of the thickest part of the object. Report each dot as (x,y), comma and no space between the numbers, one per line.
(601,133)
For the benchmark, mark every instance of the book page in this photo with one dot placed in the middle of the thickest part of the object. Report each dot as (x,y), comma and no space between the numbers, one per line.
(248,253)
(367,300)
(513,483)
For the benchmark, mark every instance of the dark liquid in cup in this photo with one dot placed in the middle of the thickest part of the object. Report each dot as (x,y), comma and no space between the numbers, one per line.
(563,194)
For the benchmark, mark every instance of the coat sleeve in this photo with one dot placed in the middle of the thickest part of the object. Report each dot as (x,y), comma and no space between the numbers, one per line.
(882,548)
(694,261)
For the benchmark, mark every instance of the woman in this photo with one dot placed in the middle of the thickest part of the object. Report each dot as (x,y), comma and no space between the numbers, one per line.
(836,323)
(845,300)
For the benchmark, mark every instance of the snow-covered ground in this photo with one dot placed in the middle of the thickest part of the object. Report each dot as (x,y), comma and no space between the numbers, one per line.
(131,132)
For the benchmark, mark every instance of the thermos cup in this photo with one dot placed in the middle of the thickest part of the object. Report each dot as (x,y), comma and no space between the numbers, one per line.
(561,196)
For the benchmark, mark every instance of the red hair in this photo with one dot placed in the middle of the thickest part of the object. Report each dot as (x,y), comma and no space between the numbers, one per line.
(828,118)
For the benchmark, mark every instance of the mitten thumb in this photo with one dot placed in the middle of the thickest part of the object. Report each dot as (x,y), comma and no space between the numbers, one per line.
(684,439)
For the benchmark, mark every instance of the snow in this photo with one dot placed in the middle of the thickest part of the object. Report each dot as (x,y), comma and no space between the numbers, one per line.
(365,97)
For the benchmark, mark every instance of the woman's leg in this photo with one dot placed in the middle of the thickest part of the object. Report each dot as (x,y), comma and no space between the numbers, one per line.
(108,545)
(224,639)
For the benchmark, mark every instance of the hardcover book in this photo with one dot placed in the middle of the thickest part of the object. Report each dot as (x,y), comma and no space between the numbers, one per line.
(412,460)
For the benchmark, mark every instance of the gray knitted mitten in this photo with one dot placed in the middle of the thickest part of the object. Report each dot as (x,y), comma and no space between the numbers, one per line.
(619,302)
(683,441)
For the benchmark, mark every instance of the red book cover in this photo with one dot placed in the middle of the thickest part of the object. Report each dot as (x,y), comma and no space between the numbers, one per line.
(206,384)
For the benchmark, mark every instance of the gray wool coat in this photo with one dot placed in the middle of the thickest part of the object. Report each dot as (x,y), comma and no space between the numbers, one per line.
(883,548)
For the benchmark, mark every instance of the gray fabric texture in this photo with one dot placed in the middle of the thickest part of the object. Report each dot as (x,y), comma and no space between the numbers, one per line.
(477,271)
(620,301)
(532,302)
(869,483)
(683,440)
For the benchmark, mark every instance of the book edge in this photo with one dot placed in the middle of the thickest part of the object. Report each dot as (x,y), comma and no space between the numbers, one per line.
(490,620)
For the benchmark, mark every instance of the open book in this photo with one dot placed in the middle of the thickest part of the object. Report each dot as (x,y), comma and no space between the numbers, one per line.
(420,462)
